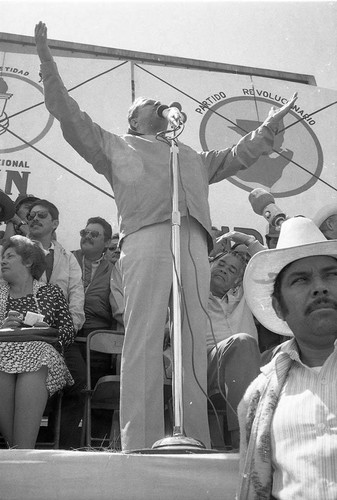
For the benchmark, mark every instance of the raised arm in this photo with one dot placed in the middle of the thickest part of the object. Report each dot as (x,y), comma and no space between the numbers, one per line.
(276,115)
(41,40)
(85,136)
(253,246)
(227,162)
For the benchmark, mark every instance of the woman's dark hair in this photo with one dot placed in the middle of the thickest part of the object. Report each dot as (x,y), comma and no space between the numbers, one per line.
(30,253)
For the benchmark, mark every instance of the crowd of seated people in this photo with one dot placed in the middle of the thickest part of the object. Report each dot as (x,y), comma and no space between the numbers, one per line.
(91,282)
(83,279)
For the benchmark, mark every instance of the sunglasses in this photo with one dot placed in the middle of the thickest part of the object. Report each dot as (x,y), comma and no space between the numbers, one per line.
(87,232)
(39,214)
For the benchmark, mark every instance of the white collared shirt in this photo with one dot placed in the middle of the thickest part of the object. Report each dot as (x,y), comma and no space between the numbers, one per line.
(304,432)
(229,315)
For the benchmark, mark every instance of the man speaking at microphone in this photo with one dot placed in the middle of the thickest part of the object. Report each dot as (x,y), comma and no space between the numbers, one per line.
(137,167)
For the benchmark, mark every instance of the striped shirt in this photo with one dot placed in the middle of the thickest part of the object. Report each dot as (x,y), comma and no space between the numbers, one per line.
(304,432)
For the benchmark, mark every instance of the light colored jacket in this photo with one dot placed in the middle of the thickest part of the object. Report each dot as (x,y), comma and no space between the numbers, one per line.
(67,275)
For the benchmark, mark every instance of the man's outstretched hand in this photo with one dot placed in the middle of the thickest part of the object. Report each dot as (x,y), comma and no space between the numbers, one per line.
(276,115)
(41,41)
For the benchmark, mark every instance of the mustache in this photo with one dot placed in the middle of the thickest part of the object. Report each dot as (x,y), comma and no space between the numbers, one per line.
(321,301)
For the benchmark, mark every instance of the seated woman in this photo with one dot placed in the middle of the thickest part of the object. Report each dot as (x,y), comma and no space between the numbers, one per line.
(30,371)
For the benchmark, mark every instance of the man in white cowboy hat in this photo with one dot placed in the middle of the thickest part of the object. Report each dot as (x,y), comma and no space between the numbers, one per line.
(288,415)
(326,220)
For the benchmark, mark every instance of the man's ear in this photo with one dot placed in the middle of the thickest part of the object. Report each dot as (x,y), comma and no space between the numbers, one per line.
(329,223)
(332,222)
(277,308)
(55,224)
(133,124)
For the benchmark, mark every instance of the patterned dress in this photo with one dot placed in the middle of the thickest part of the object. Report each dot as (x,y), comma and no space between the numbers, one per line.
(18,357)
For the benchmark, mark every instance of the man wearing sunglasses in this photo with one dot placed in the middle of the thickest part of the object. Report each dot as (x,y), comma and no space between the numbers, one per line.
(113,251)
(96,271)
(63,270)
(136,165)
(62,267)
(96,268)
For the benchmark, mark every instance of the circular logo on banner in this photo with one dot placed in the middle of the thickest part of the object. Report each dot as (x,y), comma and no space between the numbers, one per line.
(296,160)
(22,112)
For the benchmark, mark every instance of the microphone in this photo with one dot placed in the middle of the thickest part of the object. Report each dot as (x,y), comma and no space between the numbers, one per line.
(263,203)
(172,113)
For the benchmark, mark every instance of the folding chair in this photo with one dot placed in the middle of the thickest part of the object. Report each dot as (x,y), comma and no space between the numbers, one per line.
(106,393)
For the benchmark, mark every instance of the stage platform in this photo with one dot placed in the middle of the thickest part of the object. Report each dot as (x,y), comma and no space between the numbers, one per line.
(84,475)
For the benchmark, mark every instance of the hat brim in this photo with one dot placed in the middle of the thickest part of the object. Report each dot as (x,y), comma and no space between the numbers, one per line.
(324,213)
(7,207)
(260,274)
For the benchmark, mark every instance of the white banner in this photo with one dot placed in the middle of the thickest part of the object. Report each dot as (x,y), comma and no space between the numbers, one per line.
(221,108)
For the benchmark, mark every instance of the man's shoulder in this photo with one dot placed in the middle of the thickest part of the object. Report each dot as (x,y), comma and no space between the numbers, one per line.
(78,254)
(66,258)
(105,266)
(58,248)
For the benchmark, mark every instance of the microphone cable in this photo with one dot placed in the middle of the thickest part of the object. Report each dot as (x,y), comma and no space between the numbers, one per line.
(185,312)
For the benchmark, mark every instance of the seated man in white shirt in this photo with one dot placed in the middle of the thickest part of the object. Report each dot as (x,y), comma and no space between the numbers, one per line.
(232,347)
(288,415)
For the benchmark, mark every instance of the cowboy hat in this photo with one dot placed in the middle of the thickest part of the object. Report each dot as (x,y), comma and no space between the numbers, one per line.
(324,213)
(7,207)
(299,238)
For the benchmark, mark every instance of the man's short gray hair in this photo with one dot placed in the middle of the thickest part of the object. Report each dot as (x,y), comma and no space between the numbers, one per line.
(138,103)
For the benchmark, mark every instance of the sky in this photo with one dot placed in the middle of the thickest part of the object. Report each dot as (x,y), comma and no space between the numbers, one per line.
(299,37)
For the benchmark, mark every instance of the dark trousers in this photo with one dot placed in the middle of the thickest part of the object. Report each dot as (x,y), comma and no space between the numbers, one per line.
(73,400)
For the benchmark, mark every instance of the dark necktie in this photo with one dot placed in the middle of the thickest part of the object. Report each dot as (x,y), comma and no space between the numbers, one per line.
(50,264)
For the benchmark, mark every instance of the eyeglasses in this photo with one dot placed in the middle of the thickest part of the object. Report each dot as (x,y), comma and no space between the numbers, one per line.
(87,232)
(39,214)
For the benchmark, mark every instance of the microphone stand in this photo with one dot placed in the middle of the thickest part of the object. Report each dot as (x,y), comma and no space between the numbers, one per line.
(179,442)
